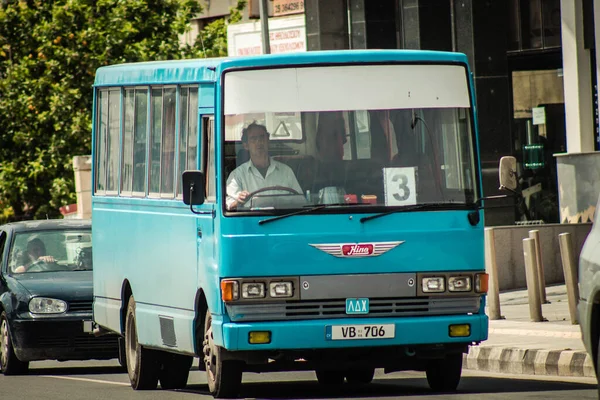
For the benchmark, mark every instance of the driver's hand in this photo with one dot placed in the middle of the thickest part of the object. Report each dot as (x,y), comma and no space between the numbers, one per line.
(48,259)
(242,196)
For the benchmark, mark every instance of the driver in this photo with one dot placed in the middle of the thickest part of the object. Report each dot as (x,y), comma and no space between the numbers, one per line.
(36,251)
(260,171)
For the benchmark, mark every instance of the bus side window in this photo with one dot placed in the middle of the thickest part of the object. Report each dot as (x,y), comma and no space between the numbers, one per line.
(208,156)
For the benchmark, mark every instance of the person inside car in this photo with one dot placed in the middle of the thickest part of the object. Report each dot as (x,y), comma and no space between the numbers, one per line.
(36,252)
(259,171)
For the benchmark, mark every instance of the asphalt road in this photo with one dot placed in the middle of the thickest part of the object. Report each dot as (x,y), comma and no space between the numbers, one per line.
(106,381)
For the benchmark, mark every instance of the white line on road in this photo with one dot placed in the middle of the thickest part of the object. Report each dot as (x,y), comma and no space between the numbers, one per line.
(86,380)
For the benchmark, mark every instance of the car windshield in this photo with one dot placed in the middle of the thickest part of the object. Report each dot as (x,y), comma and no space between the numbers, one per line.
(369,136)
(50,251)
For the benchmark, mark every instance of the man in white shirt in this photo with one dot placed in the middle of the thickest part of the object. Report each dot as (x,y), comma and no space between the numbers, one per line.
(260,171)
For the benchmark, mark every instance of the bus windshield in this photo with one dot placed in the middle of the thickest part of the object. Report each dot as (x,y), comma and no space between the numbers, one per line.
(369,136)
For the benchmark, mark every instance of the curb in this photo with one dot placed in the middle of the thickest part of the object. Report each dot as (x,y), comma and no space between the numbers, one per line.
(529,361)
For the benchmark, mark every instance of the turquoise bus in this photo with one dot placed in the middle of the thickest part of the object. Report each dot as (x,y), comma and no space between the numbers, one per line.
(317,211)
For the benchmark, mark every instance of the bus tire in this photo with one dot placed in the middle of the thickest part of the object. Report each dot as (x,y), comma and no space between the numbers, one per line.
(175,370)
(443,375)
(224,376)
(142,364)
(598,366)
(329,377)
(9,363)
(360,376)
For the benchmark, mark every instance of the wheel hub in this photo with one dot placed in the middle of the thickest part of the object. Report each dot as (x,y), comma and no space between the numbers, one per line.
(209,350)
(131,346)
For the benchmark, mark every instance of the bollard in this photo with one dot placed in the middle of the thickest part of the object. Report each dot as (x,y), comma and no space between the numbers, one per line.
(570,271)
(535,235)
(535,305)
(491,267)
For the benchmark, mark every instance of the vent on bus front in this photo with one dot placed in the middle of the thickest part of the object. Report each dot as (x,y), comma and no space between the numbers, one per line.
(316,309)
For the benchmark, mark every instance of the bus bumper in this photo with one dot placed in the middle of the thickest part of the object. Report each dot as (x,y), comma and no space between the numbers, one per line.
(313,334)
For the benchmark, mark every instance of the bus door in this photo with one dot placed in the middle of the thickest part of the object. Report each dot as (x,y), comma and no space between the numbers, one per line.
(205,221)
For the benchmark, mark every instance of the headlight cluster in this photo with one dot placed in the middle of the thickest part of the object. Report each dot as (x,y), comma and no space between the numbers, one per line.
(457,282)
(45,305)
(258,289)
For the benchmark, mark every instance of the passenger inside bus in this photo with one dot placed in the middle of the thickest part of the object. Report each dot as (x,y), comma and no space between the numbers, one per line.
(260,171)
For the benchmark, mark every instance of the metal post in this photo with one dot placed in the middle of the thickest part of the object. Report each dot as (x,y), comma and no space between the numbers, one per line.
(535,306)
(569,269)
(264,26)
(535,235)
(491,267)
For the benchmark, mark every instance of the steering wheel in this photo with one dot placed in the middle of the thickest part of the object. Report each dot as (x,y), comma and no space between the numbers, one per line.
(40,266)
(268,188)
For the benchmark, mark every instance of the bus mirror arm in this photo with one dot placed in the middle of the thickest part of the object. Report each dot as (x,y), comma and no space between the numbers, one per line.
(479,202)
(191,197)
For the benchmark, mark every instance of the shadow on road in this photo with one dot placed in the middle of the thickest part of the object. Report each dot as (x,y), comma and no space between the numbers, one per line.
(392,388)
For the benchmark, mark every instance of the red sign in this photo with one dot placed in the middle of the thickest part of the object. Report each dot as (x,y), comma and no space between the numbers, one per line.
(357,250)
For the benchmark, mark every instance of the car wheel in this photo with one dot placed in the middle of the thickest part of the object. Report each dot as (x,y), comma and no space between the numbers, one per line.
(224,376)
(443,375)
(9,363)
(328,377)
(360,376)
(174,371)
(142,364)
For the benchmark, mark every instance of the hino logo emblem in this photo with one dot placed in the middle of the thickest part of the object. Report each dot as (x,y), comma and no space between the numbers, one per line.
(356,249)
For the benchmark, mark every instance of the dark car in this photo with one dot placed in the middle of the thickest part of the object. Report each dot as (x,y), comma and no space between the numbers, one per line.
(46,295)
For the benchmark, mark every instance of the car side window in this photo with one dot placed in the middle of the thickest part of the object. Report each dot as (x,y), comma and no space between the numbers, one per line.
(3,237)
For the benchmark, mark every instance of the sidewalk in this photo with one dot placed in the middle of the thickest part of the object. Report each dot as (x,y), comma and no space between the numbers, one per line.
(518,346)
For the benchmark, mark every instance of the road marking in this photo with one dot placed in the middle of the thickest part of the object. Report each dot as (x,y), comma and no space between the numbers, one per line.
(86,380)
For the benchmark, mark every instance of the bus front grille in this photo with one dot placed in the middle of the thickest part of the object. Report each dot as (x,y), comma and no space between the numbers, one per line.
(318,309)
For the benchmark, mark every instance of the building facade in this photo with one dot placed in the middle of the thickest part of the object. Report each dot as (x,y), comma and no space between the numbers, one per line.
(534,69)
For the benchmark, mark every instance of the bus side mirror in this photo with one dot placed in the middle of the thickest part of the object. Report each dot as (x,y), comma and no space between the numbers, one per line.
(193,188)
(508,173)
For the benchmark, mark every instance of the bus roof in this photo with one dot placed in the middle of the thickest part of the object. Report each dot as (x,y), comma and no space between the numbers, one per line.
(208,69)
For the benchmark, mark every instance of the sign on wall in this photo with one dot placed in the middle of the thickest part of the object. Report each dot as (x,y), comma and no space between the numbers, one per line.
(286,35)
(287,7)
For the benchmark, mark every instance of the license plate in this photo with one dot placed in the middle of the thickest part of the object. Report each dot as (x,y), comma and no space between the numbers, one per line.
(88,326)
(349,332)
(357,306)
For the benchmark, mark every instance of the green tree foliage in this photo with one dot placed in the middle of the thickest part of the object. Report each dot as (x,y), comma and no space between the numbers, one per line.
(212,40)
(49,51)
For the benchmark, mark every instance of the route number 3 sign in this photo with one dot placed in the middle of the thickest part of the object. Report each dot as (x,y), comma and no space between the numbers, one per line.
(400,186)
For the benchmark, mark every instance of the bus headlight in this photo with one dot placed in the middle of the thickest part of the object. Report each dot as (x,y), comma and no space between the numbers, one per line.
(433,284)
(281,289)
(253,290)
(459,284)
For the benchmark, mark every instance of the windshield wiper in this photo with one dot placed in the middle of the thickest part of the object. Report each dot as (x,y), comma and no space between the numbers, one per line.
(426,206)
(305,211)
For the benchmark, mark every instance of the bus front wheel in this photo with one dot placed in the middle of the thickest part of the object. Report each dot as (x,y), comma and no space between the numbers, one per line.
(224,376)
(443,375)
(142,364)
